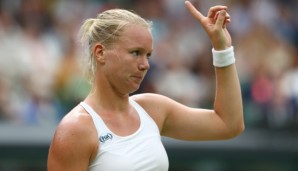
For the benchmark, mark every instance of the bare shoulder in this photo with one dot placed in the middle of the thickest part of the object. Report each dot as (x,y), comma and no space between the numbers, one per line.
(74,141)
(150,99)
(152,103)
(156,105)
(76,124)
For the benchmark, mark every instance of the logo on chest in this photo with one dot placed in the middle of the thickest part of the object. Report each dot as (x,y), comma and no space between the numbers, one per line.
(105,137)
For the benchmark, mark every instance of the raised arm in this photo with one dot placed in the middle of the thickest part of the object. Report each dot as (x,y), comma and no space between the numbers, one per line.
(226,120)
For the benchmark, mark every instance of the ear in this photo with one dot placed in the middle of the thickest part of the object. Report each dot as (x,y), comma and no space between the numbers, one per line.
(98,52)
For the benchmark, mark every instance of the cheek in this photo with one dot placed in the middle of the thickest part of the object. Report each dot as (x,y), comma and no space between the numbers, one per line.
(119,63)
(116,67)
(113,60)
(116,59)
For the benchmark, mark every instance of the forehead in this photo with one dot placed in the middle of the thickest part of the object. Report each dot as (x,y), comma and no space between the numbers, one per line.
(136,35)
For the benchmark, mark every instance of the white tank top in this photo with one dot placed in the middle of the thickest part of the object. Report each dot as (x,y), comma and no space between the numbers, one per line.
(140,151)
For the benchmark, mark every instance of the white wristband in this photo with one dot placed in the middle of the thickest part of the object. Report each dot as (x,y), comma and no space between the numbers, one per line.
(223,58)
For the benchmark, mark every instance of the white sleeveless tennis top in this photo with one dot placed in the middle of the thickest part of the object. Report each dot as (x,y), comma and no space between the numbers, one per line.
(140,151)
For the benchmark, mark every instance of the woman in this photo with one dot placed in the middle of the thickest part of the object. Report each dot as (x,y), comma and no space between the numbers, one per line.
(111,130)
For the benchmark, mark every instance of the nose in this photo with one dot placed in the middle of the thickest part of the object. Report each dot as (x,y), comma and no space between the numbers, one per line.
(143,64)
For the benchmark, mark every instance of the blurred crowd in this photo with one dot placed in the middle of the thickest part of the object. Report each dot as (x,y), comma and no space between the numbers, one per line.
(42,65)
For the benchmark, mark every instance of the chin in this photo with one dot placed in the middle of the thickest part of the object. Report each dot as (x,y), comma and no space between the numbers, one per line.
(136,88)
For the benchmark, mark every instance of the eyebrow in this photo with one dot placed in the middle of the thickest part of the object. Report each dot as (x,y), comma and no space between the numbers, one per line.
(140,48)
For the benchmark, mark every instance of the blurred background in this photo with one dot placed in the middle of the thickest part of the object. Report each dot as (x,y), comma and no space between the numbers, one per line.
(42,77)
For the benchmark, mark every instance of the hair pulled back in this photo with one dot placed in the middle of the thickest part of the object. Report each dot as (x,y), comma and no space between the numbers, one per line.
(106,29)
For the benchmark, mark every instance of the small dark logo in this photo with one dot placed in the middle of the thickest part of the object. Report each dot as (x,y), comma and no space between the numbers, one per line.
(105,137)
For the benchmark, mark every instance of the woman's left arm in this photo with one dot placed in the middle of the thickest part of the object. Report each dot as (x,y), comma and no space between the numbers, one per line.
(226,120)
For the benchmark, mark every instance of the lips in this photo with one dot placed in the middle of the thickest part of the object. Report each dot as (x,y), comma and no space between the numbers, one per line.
(138,77)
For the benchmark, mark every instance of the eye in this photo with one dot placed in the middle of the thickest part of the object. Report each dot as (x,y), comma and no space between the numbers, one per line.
(136,53)
(148,55)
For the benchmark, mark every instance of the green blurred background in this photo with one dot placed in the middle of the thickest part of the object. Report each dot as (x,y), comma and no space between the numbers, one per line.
(42,78)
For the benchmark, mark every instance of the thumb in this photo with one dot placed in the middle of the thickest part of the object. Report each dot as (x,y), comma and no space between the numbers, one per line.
(221,19)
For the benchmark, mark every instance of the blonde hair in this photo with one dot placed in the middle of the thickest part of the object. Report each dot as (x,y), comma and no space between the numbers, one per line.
(106,29)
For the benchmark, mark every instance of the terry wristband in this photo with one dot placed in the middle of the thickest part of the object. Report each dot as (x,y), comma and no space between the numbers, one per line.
(223,58)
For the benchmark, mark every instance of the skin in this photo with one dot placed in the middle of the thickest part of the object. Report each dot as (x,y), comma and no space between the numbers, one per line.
(120,71)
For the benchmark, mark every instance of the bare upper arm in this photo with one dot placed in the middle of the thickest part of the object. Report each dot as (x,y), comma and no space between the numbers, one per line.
(181,122)
(74,144)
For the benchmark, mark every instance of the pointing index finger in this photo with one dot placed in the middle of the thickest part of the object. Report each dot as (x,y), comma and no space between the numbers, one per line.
(194,11)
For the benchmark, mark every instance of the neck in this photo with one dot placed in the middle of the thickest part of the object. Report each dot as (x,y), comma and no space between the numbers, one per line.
(104,97)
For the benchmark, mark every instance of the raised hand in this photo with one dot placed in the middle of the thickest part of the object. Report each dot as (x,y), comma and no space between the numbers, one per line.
(214,24)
